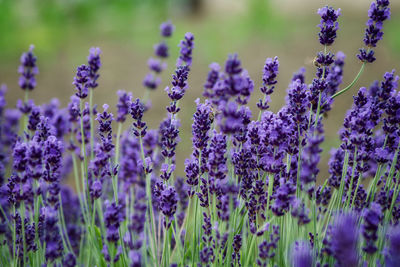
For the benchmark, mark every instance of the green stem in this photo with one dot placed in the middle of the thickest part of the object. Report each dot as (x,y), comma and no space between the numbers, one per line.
(352,83)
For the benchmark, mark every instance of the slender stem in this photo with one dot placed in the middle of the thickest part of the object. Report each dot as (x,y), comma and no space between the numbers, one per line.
(352,83)
(117,143)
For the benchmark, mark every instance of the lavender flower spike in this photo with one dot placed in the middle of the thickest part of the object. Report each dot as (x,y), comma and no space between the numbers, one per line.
(28,70)
(94,64)
(301,255)
(186,45)
(270,73)
(167,29)
(345,239)
(328,25)
(378,12)
(82,81)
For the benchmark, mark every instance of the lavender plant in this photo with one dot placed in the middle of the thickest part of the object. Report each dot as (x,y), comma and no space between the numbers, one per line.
(250,196)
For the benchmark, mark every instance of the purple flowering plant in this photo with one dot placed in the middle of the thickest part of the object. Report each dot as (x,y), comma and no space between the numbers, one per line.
(250,196)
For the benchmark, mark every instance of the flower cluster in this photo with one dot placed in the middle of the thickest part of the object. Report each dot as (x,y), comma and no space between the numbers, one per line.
(251,195)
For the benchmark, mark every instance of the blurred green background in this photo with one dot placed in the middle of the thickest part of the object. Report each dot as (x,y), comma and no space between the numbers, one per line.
(125,30)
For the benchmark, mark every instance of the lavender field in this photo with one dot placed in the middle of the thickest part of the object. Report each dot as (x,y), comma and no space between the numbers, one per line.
(89,184)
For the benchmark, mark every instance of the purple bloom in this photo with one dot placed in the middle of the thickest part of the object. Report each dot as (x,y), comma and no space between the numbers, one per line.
(156,65)
(69,260)
(393,256)
(178,89)
(301,255)
(94,63)
(136,111)
(52,156)
(123,105)
(34,118)
(216,157)
(82,81)
(378,12)
(270,72)
(283,196)
(114,214)
(168,203)
(266,249)
(300,211)
(297,103)
(186,45)
(54,246)
(192,174)
(28,70)
(328,25)
(169,138)
(345,239)
(237,245)
(311,157)
(96,189)
(202,120)
(372,217)
(151,82)
(212,78)
(167,28)
(161,50)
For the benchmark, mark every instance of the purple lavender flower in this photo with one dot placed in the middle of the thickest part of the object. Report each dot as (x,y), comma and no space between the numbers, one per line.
(136,111)
(138,217)
(151,82)
(300,211)
(301,255)
(192,174)
(216,157)
(52,159)
(297,103)
(161,50)
(202,120)
(237,245)
(266,249)
(372,218)
(328,25)
(392,258)
(212,78)
(123,105)
(311,157)
(166,29)
(186,45)
(54,246)
(179,87)
(96,189)
(82,81)
(270,72)
(34,156)
(156,65)
(113,216)
(168,203)
(344,240)
(28,70)
(94,63)
(69,260)
(283,196)
(34,118)
(207,253)
(378,12)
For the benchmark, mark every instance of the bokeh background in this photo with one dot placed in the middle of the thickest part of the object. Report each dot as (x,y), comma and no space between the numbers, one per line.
(125,30)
